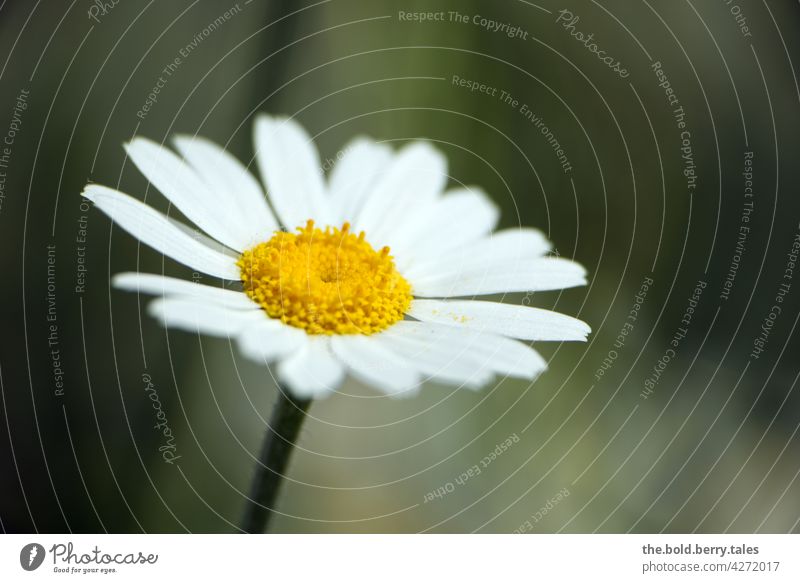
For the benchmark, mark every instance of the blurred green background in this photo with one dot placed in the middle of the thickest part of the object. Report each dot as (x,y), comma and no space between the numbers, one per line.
(713,447)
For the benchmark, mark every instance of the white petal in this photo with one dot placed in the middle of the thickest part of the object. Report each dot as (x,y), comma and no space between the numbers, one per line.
(312,371)
(507,247)
(537,275)
(270,339)
(354,176)
(509,357)
(415,177)
(203,317)
(183,187)
(291,169)
(376,365)
(207,241)
(482,353)
(161,285)
(232,184)
(156,230)
(440,352)
(460,217)
(523,322)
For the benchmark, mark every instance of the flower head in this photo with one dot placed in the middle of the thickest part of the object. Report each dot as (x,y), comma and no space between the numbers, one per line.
(349,274)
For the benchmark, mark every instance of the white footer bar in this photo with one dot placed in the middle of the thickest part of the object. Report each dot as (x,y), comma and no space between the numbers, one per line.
(380,558)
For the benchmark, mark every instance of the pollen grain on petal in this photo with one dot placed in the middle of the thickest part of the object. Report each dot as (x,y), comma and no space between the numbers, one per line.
(327,281)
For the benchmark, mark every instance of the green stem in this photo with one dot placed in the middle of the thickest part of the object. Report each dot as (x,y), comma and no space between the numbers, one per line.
(279,440)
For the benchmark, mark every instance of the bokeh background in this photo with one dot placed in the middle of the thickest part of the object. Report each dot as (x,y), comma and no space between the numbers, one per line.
(713,447)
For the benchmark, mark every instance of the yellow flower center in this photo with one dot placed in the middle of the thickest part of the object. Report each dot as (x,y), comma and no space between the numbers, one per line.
(325,282)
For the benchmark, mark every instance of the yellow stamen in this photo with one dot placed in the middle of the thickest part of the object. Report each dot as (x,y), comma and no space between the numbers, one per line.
(325,282)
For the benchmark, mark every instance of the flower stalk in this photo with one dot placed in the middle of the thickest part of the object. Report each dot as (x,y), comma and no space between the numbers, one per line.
(279,441)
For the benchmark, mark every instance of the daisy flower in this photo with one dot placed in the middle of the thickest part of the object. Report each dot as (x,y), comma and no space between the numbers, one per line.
(354,273)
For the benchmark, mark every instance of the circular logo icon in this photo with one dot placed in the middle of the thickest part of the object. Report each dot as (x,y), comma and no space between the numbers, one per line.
(31,556)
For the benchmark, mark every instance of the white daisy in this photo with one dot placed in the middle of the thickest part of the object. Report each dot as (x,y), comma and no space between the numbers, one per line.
(358,278)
